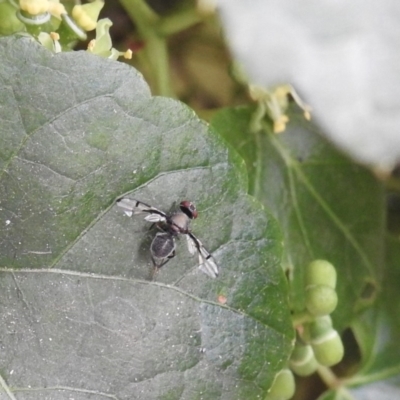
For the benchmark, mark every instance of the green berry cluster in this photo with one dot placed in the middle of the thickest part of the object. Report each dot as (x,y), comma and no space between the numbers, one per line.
(317,344)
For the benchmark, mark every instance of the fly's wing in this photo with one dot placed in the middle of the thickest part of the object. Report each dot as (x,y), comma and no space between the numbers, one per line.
(207,263)
(131,207)
(191,245)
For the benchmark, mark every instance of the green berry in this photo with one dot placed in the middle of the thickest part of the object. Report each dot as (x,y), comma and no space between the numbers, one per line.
(320,272)
(283,387)
(330,351)
(319,327)
(302,361)
(326,342)
(321,300)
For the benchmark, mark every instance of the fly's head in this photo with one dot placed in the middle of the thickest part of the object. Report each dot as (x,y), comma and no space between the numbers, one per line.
(188,208)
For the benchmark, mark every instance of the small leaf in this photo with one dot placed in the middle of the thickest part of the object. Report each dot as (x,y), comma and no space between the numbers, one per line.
(78,315)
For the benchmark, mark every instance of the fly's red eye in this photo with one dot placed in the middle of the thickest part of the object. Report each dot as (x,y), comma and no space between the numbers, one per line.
(189,209)
(185,204)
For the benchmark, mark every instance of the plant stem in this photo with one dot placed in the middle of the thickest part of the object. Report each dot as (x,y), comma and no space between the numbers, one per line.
(179,21)
(154,53)
(328,377)
(154,30)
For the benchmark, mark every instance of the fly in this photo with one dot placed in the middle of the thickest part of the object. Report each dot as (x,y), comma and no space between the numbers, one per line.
(163,246)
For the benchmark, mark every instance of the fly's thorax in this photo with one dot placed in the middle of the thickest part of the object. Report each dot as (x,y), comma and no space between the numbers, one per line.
(180,221)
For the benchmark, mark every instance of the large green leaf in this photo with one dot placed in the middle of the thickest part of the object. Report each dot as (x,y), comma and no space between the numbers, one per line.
(78,316)
(328,207)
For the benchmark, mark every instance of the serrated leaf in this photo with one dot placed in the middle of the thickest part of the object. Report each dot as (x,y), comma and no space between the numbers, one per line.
(329,208)
(78,316)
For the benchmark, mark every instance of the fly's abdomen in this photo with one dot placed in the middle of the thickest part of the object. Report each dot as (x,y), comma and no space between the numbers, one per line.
(163,245)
